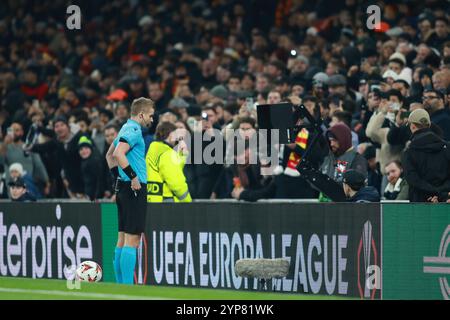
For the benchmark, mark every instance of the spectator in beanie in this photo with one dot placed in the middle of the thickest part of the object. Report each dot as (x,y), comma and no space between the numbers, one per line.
(354,183)
(426,161)
(346,118)
(18,191)
(397,188)
(16,171)
(91,169)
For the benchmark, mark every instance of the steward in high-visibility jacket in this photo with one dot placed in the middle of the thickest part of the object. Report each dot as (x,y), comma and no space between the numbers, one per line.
(165,178)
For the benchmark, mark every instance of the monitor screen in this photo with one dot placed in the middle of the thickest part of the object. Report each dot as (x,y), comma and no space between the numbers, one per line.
(277,116)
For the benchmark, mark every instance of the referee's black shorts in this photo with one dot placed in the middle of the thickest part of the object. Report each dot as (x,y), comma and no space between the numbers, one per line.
(131,208)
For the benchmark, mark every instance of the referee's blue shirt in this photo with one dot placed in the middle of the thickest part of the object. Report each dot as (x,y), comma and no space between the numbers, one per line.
(131,132)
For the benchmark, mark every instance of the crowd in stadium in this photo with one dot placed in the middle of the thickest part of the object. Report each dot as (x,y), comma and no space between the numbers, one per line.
(65,94)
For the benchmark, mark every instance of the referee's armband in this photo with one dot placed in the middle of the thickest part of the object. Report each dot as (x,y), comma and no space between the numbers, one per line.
(130,172)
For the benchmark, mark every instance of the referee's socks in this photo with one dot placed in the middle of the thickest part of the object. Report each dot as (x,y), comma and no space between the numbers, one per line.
(116,263)
(127,264)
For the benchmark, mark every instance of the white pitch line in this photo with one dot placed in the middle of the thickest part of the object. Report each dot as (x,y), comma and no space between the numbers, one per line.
(80,294)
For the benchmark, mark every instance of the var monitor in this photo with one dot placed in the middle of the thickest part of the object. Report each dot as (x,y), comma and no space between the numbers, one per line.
(277,116)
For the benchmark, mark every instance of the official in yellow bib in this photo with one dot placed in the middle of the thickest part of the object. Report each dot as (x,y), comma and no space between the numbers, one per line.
(165,178)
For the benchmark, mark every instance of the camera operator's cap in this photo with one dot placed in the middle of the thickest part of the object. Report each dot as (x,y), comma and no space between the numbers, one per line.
(354,179)
(420,116)
(84,142)
(18,182)
(337,80)
(178,103)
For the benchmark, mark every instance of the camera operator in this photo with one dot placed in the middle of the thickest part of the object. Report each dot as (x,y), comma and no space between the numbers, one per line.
(342,156)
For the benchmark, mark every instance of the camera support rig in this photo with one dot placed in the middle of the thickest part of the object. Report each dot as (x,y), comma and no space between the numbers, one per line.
(284,117)
(320,181)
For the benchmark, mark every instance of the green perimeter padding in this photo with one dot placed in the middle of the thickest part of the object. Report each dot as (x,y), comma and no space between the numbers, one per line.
(412,234)
(109,239)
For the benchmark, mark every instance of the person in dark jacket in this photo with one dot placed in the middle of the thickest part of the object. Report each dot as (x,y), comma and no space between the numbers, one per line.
(3,185)
(66,146)
(18,191)
(354,183)
(91,169)
(426,161)
(374,175)
(244,172)
(207,174)
(434,103)
(110,132)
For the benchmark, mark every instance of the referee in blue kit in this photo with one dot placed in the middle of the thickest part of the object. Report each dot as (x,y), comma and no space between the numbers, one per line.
(126,160)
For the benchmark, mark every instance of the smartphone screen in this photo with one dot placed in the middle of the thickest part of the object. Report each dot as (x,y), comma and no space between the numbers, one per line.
(249,104)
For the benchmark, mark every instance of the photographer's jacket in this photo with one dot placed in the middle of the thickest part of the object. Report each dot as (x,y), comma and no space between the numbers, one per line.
(165,177)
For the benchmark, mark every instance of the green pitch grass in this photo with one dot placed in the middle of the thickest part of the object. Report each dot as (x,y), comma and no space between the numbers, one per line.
(43,289)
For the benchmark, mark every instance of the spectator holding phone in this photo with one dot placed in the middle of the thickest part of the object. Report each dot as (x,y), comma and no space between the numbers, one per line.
(378,128)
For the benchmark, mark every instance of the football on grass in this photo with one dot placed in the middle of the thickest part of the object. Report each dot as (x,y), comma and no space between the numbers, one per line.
(89,271)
